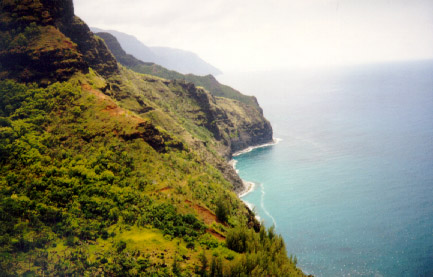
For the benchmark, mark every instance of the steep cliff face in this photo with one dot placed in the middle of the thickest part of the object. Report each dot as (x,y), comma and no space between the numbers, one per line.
(237,125)
(43,41)
(118,52)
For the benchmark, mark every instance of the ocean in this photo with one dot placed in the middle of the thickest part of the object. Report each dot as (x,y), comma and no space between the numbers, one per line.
(349,185)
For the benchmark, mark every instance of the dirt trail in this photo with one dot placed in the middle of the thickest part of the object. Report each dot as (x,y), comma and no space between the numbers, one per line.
(112,108)
(208,218)
(216,234)
(207,215)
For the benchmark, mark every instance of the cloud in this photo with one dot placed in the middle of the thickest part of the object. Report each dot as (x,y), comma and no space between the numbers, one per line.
(258,34)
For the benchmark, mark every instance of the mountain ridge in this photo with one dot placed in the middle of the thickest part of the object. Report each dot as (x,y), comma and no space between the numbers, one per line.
(175,59)
(208,82)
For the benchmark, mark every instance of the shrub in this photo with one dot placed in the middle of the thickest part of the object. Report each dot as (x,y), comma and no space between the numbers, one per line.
(222,210)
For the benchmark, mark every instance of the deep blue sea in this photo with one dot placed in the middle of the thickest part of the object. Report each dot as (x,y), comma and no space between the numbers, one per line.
(350,184)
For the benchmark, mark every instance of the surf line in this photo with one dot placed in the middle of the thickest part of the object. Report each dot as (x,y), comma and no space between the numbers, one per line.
(251,148)
(250,186)
(262,204)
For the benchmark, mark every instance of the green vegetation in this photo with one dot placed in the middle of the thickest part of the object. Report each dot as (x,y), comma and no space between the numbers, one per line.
(73,190)
(112,172)
(208,82)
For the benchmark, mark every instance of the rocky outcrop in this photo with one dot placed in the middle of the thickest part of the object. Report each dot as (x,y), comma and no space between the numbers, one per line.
(233,118)
(43,41)
(94,50)
(42,61)
(118,52)
(155,138)
(236,124)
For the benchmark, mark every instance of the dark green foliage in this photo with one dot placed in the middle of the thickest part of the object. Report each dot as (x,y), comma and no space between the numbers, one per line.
(216,269)
(19,37)
(222,209)
(175,268)
(50,190)
(63,179)
(166,218)
(265,253)
(236,239)
(203,264)
(32,31)
(120,246)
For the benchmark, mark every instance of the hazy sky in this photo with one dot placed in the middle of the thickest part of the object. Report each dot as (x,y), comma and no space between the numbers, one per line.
(268,34)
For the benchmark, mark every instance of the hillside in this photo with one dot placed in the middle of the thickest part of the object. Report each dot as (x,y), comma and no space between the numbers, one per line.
(208,82)
(105,171)
(175,59)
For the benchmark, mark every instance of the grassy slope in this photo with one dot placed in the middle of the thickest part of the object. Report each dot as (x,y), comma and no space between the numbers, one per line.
(120,176)
(216,122)
(88,186)
(208,82)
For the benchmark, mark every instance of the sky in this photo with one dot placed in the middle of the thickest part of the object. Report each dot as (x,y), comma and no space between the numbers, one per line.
(241,35)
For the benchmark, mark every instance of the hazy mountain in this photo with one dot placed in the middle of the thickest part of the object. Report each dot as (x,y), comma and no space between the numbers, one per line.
(174,59)
(208,82)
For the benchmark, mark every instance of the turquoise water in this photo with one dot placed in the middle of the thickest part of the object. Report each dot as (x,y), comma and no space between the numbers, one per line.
(350,186)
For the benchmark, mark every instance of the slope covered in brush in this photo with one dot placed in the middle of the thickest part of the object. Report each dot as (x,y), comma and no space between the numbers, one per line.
(111,172)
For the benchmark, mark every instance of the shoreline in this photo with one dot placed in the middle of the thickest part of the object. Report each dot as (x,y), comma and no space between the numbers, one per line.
(249,186)
(251,148)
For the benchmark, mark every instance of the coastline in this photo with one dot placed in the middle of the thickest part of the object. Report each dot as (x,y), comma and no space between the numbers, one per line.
(249,186)
(251,148)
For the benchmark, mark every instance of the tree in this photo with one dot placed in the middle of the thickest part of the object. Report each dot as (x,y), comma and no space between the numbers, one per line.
(216,268)
(222,210)
(175,267)
(204,262)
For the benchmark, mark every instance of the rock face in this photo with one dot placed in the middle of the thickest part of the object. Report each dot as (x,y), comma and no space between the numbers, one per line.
(118,52)
(43,41)
(94,49)
(238,124)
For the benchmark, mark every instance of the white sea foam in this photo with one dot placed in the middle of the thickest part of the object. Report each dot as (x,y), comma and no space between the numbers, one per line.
(251,207)
(251,148)
(262,204)
(249,187)
(233,163)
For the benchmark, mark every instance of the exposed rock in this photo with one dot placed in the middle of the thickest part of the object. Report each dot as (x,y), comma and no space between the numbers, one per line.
(223,120)
(156,139)
(42,41)
(94,50)
(43,61)
(118,52)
